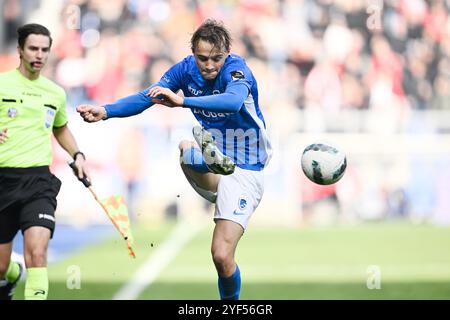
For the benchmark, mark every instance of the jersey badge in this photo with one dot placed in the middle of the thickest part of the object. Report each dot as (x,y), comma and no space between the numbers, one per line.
(237,74)
(12,112)
(49,117)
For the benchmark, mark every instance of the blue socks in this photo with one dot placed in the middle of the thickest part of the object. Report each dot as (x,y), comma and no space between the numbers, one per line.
(193,158)
(230,288)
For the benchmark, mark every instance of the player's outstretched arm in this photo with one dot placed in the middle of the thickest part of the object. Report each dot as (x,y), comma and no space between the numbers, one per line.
(91,113)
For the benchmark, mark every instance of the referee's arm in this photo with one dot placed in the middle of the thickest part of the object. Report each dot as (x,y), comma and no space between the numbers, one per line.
(67,141)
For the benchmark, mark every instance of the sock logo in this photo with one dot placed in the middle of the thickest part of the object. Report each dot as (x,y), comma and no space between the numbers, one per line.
(40,291)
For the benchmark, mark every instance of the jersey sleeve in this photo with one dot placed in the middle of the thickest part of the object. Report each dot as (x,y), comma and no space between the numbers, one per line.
(172,78)
(237,78)
(61,115)
(237,73)
(229,101)
(137,103)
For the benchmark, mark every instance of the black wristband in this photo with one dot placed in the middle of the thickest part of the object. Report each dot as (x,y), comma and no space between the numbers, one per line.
(77,153)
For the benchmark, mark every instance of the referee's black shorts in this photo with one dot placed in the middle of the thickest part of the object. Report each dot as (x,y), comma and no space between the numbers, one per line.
(27,199)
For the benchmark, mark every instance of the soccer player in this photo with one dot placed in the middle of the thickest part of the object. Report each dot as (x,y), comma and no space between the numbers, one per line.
(226,164)
(31,108)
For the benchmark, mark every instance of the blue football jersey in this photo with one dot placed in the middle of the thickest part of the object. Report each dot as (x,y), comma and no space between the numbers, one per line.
(241,135)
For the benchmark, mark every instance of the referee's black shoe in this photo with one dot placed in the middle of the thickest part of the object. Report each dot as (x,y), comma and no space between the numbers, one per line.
(7,288)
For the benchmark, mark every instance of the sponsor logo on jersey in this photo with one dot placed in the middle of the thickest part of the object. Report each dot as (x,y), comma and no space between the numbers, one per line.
(194,91)
(31,94)
(210,114)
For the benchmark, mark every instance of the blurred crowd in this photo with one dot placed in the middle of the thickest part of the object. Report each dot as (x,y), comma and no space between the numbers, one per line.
(327,54)
(314,58)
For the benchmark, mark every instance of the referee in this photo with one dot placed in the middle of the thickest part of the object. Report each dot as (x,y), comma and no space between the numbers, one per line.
(31,108)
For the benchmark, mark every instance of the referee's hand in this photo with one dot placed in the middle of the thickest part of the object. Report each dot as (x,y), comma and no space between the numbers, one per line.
(91,113)
(80,169)
(83,170)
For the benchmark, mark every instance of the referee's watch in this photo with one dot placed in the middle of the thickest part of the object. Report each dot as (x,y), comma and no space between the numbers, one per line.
(78,153)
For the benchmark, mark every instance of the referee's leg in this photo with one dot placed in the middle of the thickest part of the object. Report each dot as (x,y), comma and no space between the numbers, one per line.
(36,239)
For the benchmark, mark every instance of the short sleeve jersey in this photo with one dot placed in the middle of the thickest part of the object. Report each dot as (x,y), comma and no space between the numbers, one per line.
(29,109)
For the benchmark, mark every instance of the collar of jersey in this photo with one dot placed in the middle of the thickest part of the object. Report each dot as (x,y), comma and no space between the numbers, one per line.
(23,78)
(197,76)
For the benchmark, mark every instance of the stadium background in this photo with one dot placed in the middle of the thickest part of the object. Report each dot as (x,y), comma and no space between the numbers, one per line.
(371,76)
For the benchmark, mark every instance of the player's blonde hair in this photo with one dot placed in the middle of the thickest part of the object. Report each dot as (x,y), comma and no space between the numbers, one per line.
(213,32)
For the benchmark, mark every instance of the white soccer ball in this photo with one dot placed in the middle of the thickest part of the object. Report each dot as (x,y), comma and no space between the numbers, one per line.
(323,163)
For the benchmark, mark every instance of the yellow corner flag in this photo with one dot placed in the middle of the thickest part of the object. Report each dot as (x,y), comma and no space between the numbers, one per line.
(115,208)
(117,211)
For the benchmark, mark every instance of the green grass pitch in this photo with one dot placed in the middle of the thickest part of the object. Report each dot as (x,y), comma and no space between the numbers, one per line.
(275,263)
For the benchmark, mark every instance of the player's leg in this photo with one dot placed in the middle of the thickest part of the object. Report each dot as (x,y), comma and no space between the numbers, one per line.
(225,239)
(203,163)
(194,167)
(36,239)
(238,196)
(214,159)
(226,233)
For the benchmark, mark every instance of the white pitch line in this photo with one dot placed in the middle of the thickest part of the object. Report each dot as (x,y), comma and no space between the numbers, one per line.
(149,271)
